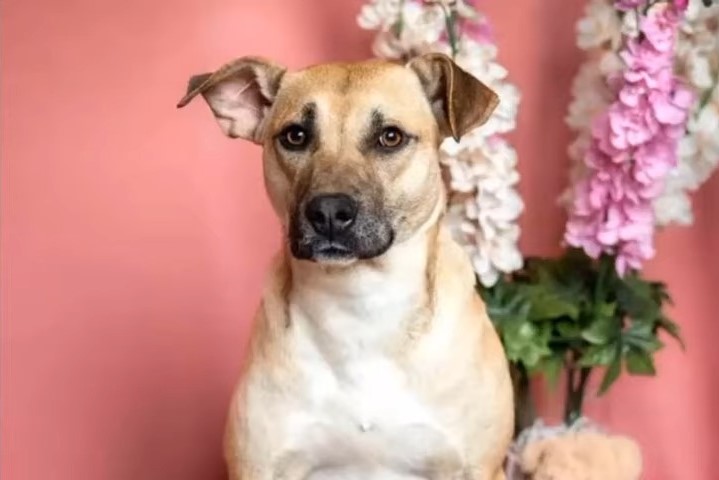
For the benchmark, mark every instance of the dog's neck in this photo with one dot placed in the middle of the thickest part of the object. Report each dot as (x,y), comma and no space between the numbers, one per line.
(380,296)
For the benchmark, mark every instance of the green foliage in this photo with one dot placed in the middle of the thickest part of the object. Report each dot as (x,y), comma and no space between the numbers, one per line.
(577,313)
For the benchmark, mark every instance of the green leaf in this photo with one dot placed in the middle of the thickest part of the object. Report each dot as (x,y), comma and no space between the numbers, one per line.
(568,330)
(605,310)
(672,329)
(606,275)
(637,297)
(506,302)
(558,286)
(640,363)
(526,342)
(641,336)
(611,375)
(599,355)
(574,267)
(660,293)
(551,301)
(604,327)
(551,368)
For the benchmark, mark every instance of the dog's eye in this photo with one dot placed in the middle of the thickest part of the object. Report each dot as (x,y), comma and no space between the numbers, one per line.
(294,137)
(391,137)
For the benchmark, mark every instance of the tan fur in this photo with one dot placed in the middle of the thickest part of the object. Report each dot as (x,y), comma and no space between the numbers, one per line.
(413,307)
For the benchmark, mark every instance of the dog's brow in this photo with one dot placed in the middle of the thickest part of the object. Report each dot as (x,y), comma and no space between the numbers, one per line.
(377,120)
(373,130)
(309,115)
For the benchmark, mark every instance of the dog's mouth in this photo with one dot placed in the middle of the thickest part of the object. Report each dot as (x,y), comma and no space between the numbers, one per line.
(325,251)
(368,240)
(319,249)
(333,252)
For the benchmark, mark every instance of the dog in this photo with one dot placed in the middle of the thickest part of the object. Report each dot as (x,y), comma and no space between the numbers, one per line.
(371,355)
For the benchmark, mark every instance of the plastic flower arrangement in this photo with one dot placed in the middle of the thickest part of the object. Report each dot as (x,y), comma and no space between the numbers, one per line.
(633,145)
(591,309)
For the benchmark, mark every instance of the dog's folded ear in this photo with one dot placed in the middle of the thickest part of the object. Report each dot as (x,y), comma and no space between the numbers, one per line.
(459,101)
(239,94)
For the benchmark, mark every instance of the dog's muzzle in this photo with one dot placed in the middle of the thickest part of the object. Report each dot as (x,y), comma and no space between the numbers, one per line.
(334,227)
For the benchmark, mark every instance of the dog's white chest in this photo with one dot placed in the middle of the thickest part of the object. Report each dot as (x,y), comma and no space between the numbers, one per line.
(364,419)
(374,394)
(360,414)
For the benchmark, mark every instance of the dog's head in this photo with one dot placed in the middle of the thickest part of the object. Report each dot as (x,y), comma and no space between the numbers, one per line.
(350,150)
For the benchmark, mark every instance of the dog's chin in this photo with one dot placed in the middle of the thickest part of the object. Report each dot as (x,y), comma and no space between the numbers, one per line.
(324,252)
(333,253)
(334,256)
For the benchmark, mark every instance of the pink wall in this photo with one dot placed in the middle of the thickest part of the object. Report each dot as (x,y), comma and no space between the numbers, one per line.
(134,236)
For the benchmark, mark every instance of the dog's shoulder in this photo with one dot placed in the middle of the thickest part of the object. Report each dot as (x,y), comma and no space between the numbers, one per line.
(272,317)
(278,283)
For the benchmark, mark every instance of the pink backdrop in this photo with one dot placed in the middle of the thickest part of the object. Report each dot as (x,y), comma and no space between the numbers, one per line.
(134,236)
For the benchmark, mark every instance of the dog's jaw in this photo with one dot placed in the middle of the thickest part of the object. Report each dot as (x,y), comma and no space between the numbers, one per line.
(372,238)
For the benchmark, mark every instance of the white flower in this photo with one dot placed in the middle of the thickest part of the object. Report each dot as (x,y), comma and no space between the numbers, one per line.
(379,14)
(591,96)
(674,205)
(698,70)
(630,24)
(485,221)
(698,61)
(600,25)
(404,28)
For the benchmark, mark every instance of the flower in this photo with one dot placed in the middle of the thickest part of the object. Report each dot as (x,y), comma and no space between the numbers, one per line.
(600,25)
(697,60)
(632,148)
(379,14)
(624,5)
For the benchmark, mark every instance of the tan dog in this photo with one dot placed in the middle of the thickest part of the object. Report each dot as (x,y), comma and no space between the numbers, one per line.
(372,357)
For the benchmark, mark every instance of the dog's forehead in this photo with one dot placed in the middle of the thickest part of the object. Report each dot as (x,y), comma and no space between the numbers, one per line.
(362,85)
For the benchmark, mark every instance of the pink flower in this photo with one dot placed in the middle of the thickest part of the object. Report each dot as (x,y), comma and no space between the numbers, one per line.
(659,30)
(625,5)
(633,147)
(631,93)
(631,255)
(681,5)
(638,221)
(651,77)
(653,161)
(630,127)
(665,110)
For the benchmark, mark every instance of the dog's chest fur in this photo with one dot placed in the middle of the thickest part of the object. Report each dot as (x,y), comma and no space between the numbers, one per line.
(358,406)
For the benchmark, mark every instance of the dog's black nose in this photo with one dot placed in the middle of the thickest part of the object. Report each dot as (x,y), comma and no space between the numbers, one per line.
(332,213)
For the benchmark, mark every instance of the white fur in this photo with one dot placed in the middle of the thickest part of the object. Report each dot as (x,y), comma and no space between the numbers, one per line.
(358,410)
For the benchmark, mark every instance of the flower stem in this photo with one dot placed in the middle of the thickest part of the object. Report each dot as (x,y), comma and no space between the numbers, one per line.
(576,387)
(524,412)
(451,20)
(706,98)
(399,26)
